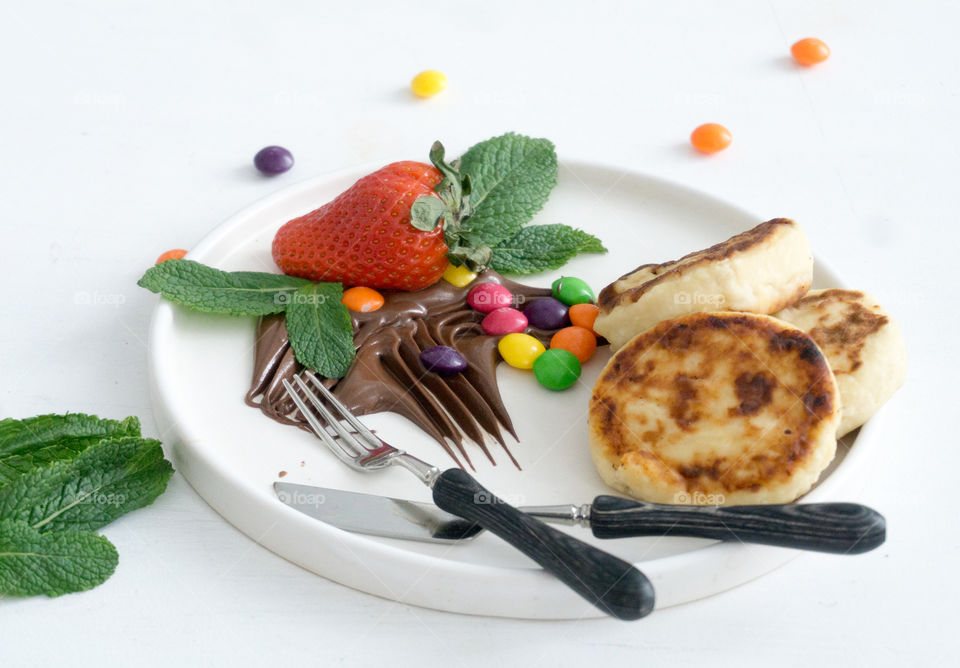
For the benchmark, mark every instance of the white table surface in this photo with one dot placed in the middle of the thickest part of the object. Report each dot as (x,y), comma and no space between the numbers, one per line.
(129,127)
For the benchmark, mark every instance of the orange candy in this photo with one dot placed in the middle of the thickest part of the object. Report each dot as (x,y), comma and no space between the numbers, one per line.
(578,340)
(362,299)
(710,138)
(584,315)
(810,51)
(174,254)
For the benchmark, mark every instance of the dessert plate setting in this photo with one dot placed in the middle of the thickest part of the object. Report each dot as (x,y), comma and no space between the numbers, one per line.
(252,469)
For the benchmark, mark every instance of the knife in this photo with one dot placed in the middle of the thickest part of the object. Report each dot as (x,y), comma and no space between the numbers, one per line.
(839,528)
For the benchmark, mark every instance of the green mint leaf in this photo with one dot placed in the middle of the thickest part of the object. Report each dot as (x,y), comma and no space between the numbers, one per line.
(28,444)
(541,248)
(99,485)
(426,212)
(204,288)
(320,329)
(59,563)
(511,177)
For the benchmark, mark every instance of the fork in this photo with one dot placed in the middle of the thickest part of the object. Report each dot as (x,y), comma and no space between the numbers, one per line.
(611,584)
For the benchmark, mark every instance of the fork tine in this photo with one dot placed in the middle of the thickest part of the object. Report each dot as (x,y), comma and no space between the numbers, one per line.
(319,429)
(331,419)
(344,411)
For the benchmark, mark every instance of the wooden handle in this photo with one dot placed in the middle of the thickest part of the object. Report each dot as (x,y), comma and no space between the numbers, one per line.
(841,528)
(609,583)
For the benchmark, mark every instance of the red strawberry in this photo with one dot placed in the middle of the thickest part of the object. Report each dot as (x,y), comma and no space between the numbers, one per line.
(364,236)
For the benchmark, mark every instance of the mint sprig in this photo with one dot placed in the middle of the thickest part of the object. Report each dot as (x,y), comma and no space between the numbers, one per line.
(26,445)
(204,288)
(542,248)
(84,472)
(322,333)
(33,563)
(320,330)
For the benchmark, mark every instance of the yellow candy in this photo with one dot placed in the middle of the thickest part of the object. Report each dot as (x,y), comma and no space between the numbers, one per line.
(428,83)
(520,350)
(458,276)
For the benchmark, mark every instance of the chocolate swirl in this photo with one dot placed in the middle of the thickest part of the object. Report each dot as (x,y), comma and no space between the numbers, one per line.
(387,375)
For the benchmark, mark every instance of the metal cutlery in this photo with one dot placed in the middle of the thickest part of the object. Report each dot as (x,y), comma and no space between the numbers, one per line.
(839,528)
(611,584)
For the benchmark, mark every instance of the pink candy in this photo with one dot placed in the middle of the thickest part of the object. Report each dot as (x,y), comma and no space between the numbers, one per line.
(488,297)
(504,321)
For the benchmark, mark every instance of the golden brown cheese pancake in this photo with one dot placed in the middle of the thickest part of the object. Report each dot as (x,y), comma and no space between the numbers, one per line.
(758,271)
(715,408)
(862,344)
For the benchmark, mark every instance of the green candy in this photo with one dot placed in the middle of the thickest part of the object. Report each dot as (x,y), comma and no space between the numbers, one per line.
(572,291)
(556,369)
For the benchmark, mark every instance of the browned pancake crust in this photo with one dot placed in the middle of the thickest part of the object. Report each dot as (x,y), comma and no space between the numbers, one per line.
(849,334)
(766,362)
(611,296)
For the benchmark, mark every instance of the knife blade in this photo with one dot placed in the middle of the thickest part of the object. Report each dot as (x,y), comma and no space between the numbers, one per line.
(839,528)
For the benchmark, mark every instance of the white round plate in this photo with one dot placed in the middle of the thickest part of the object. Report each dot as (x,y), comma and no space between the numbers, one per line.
(201,366)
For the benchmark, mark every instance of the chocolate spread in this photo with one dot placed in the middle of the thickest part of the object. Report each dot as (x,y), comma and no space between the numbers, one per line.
(387,375)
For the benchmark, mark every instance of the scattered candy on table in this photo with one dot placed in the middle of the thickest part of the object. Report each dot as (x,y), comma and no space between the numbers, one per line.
(273,160)
(428,83)
(458,275)
(572,291)
(547,313)
(362,299)
(557,369)
(443,360)
(488,297)
(174,254)
(584,315)
(810,51)
(504,321)
(710,138)
(520,350)
(579,341)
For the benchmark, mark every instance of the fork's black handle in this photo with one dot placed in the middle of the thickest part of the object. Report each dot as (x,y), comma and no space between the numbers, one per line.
(841,528)
(611,584)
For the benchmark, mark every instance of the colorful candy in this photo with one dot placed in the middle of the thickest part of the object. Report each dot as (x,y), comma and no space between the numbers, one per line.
(504,321)
(572,291)
(520,350)
(584,315)
(428,83)
(810,51)
(443,360)
(547,313)
(577,340)
(175,254)
(458,275)
(362,299)
(557,369)
(273,160)
(488,297)
(710,138)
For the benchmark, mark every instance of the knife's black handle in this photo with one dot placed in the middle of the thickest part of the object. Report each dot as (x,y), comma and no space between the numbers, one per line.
(841,528)
(611,584)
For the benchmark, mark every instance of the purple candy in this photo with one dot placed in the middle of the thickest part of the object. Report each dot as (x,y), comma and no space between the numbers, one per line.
(273,160)
(443,360)
(504,321)
(547,313)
